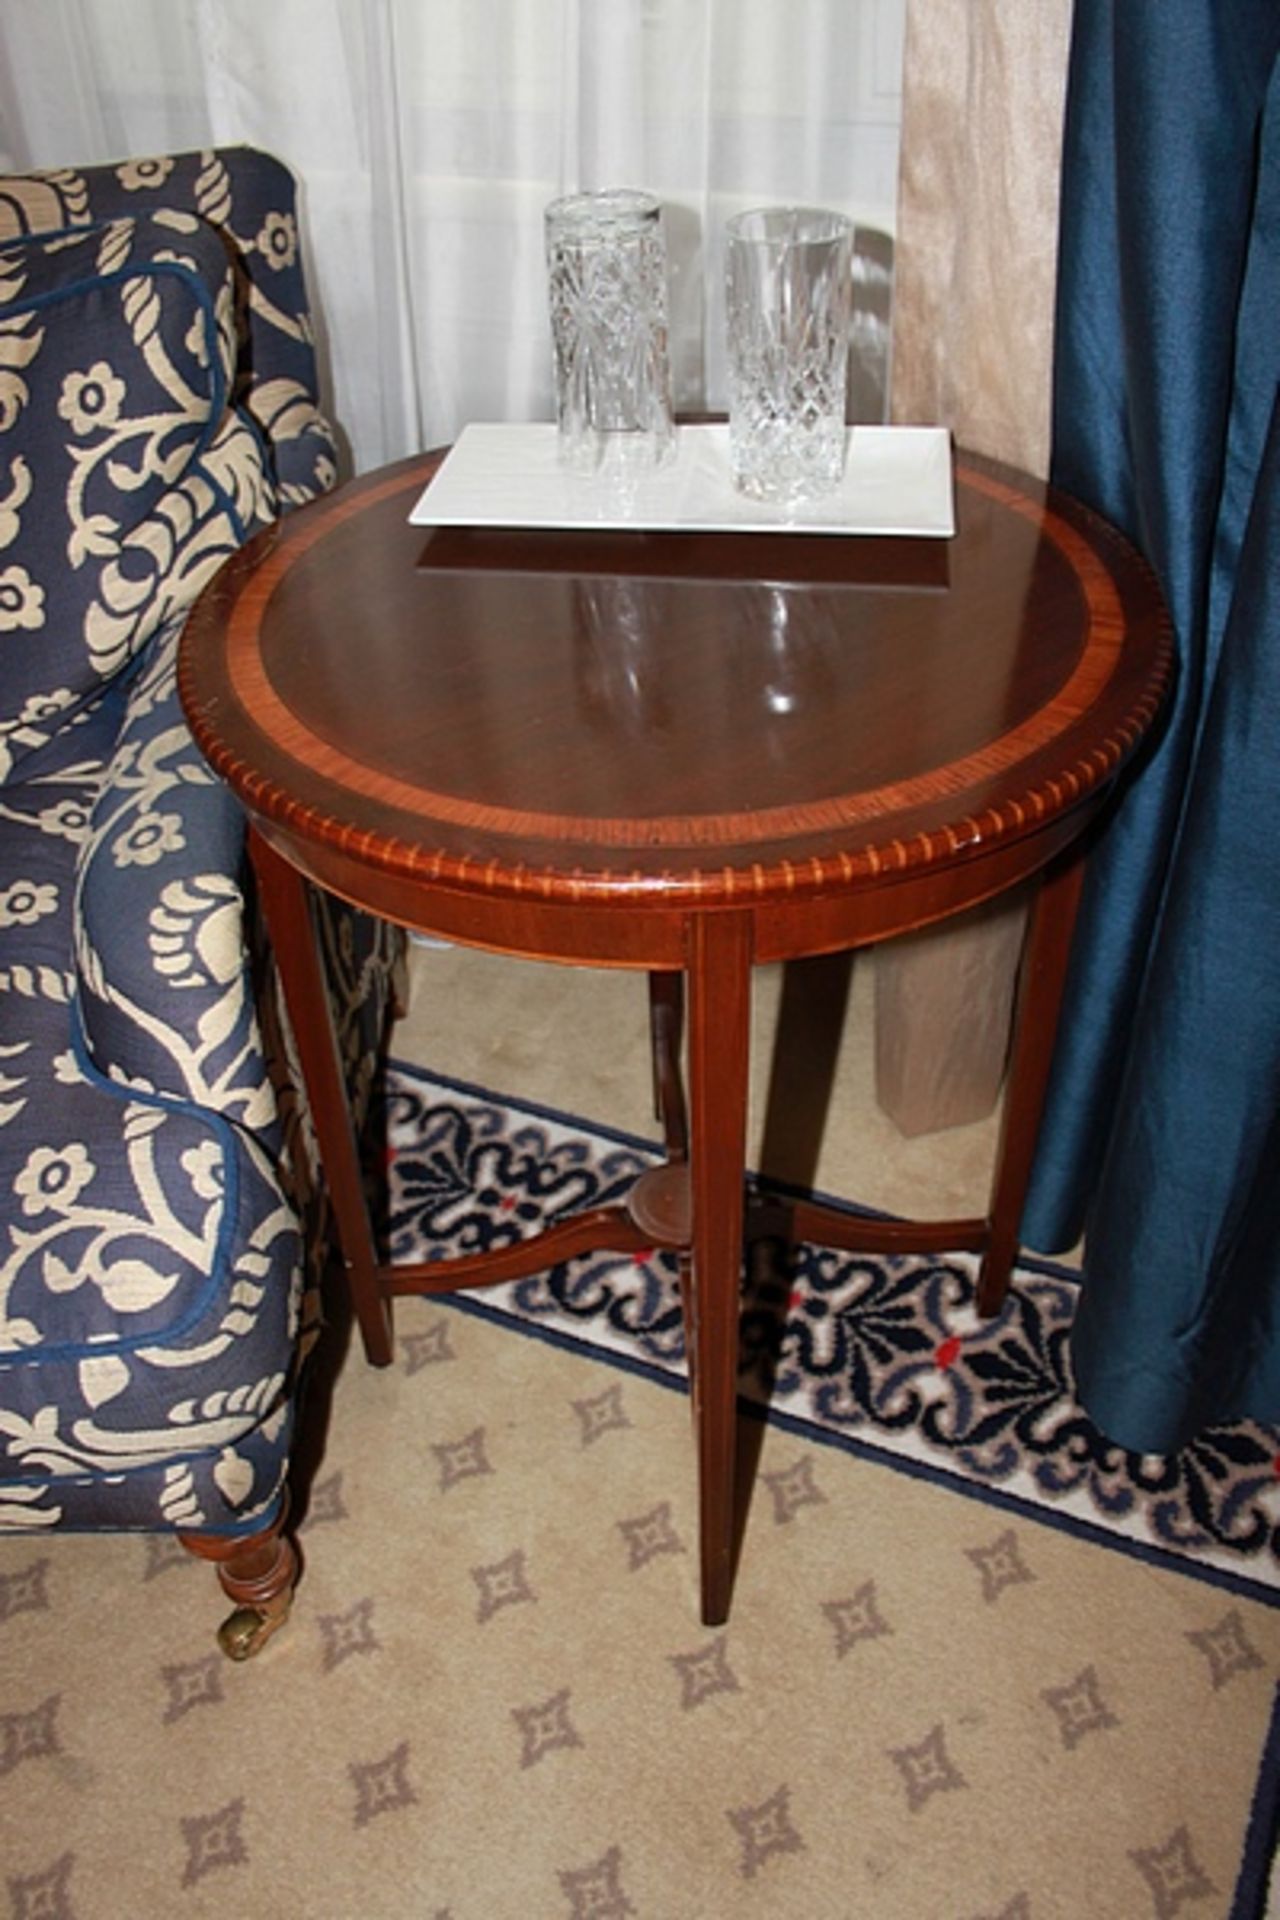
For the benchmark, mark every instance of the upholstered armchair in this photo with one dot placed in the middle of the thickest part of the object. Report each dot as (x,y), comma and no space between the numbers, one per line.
(157,405)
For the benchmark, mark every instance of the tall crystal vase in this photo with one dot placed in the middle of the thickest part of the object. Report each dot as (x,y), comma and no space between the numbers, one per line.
(607,283)
(789,300)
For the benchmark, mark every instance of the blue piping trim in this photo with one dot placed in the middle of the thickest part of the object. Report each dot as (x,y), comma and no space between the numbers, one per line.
(262,1518)
(220,494)
(29,236)
(156,269)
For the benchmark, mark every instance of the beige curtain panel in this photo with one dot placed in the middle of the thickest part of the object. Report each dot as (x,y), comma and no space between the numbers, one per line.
(983,90)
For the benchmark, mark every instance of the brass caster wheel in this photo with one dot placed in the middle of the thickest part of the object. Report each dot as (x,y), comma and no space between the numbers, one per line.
(246,1631)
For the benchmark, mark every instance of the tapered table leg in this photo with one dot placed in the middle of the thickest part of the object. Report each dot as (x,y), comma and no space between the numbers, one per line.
(1044,974)
(286,905)
(719,975)
(666,1034)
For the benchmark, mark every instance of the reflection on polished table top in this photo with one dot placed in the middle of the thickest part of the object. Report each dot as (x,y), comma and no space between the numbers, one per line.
(684,753)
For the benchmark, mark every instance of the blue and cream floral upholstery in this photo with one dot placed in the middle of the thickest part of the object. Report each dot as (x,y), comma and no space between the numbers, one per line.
(157,404)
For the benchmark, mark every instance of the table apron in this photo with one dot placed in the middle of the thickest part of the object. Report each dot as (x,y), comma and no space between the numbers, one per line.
(887,906)
(638,935)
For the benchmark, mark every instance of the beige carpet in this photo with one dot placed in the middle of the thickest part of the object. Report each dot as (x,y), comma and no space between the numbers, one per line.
(495,1697)
(575,1038)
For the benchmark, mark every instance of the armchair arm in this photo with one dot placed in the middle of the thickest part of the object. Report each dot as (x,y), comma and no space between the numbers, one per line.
(166,991)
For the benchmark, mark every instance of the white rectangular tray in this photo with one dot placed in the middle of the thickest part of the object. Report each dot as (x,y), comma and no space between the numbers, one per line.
(897,480)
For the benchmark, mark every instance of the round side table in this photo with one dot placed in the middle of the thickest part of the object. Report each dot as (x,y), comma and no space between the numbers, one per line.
(686,754)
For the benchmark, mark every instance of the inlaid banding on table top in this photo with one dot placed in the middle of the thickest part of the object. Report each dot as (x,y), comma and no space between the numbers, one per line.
(844,867)
(658,888)
(856,813)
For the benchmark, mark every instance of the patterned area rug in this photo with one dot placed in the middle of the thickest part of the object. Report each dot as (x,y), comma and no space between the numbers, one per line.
(884,1356)
(494,1699)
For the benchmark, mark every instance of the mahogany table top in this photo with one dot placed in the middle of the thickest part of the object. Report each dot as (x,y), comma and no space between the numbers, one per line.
(652,721)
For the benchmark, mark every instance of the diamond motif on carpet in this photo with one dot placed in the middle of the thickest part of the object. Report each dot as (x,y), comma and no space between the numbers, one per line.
(885,1356)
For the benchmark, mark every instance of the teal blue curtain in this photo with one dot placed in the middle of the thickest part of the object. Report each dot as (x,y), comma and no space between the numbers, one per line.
(1161,1139)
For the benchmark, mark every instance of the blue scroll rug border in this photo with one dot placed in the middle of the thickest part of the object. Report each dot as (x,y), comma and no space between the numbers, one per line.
(882,1357)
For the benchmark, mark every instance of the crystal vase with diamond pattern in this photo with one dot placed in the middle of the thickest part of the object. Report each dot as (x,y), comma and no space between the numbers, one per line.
(607,281)
(788,302)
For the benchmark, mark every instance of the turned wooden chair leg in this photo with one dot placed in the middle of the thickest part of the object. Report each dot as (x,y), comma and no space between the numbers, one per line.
(257,1572)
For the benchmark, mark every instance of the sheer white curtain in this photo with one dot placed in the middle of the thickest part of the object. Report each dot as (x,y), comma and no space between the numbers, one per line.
(427,136)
